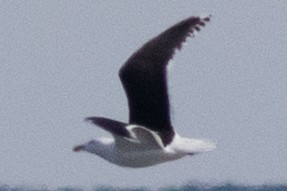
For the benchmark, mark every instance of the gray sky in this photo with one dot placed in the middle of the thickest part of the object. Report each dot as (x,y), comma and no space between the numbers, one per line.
(59,63)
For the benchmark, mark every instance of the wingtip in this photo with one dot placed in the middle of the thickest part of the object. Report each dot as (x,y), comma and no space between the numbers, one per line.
(207,18)
(88,120)
(200,23)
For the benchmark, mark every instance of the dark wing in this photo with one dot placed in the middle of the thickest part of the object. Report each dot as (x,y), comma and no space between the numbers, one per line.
(115,127)
(144,78)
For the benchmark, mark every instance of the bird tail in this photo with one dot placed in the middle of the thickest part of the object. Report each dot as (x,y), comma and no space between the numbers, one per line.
(192,146)
(203,145)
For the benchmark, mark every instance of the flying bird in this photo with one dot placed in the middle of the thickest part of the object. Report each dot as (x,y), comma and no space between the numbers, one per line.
(149,137)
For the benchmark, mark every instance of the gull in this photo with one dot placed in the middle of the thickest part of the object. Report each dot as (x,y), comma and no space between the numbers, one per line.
(148,138)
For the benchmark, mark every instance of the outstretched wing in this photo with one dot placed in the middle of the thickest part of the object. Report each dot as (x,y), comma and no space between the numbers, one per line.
(116,128)
(127,137)
(144,78)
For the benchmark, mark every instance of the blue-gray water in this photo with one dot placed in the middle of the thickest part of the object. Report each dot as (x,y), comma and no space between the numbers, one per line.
(188,187)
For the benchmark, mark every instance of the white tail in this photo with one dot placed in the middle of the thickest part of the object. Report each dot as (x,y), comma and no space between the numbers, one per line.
(191,146)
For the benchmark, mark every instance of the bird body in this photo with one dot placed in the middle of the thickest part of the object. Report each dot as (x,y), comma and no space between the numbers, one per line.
(149,138)
(144,149)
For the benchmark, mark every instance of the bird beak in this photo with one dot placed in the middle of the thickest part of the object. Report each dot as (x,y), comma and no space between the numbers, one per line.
(78,148)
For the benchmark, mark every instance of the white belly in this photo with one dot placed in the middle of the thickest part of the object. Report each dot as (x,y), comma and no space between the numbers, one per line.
(144,158)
